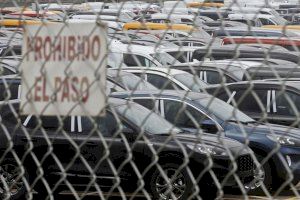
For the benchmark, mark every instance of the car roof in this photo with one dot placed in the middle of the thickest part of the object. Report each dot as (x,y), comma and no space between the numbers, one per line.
(250,15)
(281,83)
(249,29)
(176,94)
(116,102)
(134,48)
(165,70)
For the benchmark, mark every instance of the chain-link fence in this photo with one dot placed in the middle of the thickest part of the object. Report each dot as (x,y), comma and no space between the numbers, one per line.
(150,100)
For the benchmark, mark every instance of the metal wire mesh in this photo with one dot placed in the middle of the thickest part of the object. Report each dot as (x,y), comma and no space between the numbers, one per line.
(149,100)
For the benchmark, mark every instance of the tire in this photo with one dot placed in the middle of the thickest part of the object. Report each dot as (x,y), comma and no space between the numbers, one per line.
(181,187)
(262,176)
(10,171)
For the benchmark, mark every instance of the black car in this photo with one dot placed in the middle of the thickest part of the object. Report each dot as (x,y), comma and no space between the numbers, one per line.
(276,147)
(129,147)
(270,101)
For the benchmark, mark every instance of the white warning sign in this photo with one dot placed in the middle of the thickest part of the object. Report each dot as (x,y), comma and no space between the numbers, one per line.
(64,69)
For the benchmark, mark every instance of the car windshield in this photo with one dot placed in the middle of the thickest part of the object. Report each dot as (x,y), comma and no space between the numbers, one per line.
(146,119)
(224,111)
(200,34)
(279,20)
(165,58)
(194,83)
(133,82)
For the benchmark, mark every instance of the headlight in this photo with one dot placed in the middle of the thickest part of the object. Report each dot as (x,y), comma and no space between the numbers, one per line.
(283,140)
(207,149)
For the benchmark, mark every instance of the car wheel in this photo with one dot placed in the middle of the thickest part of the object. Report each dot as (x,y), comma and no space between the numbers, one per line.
(11,185)
(261,176)
(180,186)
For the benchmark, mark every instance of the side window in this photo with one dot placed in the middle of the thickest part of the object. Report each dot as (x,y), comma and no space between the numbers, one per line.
(284,106)
(160,82)
(264,13)
(266,21)
(9,118)
(11,93)
(247,102)
(112,87)
(198,44)
(5,71)
(181,56)
(47,122)
(214,77)
(210,77)
(182,115)
(106,125)
(186,20)
(137,60)
(223,95)
(147,103)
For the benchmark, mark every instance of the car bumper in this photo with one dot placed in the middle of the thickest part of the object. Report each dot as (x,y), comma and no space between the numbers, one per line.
(288,163)
(226,172)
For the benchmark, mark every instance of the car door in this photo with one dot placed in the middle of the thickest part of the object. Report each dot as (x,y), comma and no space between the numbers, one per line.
(52,142)
(286,106)
(103,147)
(186,116)
(256,102)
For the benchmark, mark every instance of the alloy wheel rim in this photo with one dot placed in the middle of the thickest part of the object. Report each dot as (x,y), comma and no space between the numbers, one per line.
(176,188)
(258,179)
(10,175)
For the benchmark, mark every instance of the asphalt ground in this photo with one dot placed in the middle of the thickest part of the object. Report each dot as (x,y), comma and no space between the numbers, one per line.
(287,195)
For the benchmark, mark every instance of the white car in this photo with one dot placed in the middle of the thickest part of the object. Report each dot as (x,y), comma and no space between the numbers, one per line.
(147,56)
(257,19)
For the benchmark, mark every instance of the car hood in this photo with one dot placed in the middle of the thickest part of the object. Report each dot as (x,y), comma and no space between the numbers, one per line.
(235,147)
(267,128)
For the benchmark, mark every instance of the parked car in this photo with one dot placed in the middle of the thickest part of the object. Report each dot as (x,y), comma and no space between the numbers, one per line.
(104,144)
(168,79)
(264,19)
(176,19)
(273,101)
(269,61)
(192,31)
(147,56)
(257,32)
(220,15)
(221,71)
(291,44)
(202,111)
(240,51)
